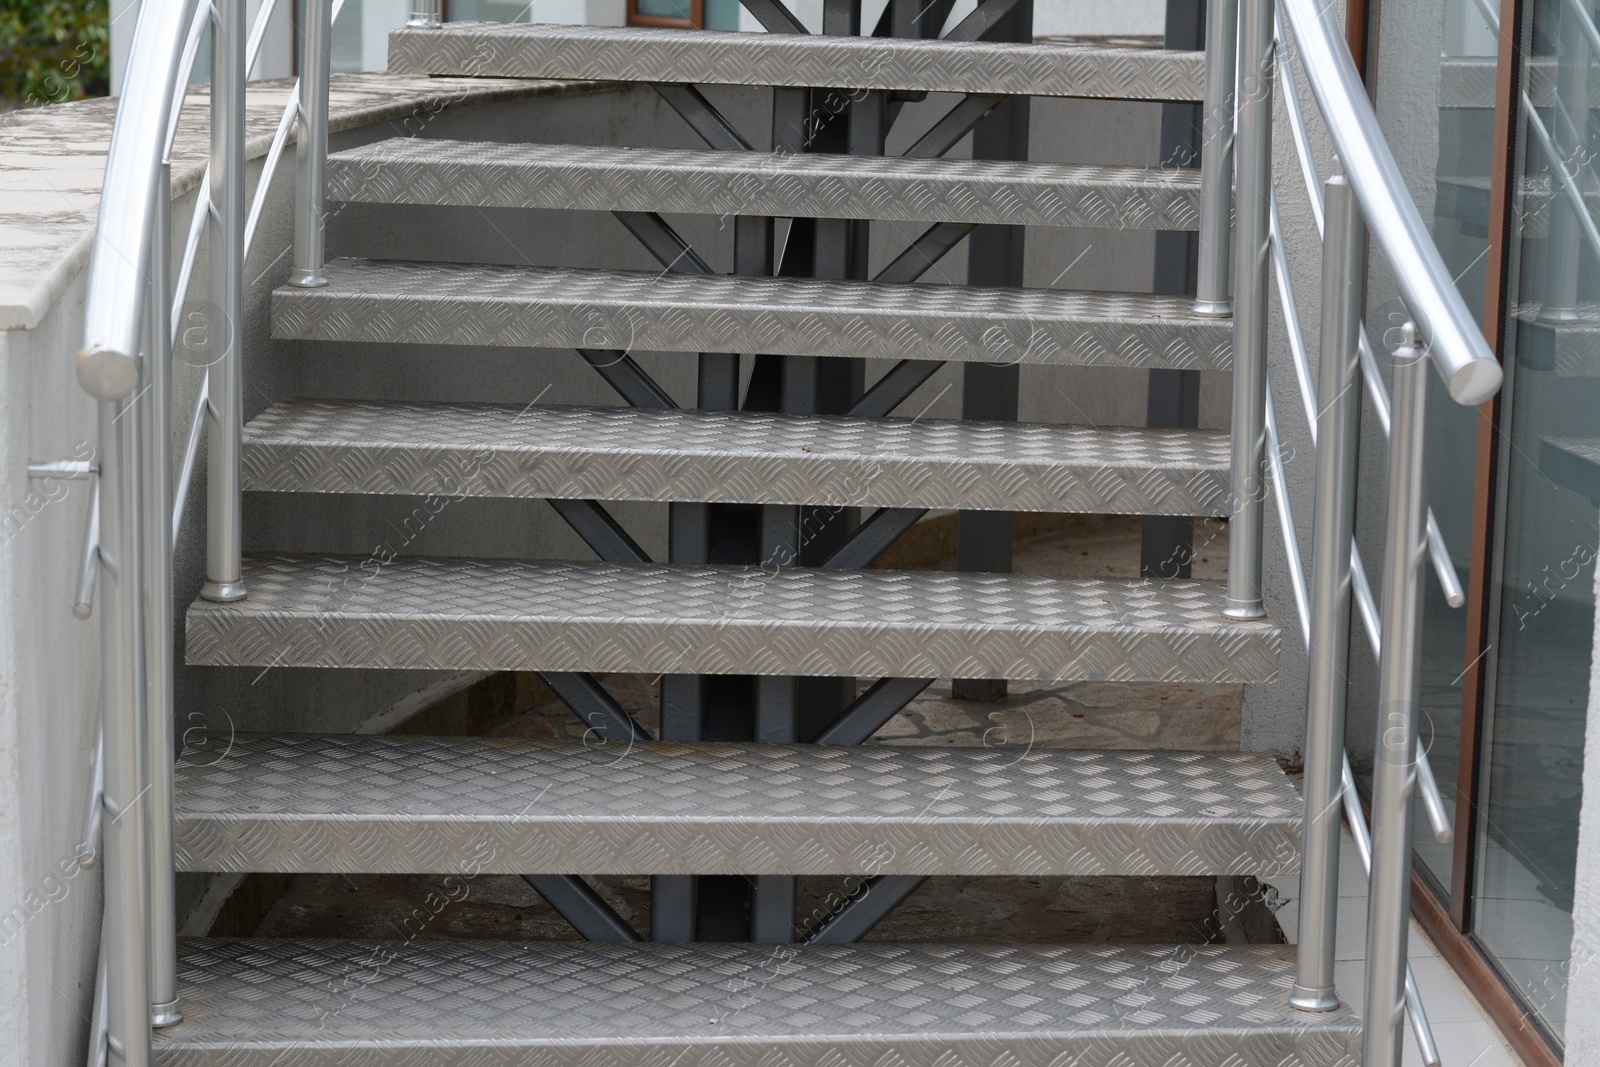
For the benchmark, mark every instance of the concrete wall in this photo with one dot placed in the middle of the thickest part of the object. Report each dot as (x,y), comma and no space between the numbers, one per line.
(49,677)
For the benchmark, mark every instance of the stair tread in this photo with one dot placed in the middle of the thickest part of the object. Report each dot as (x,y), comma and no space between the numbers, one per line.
(418,170)
(1571,348)
(1573,462)
(429,1001)
(439,805)
(394,610)
(619,453)
(467,304)
(641,54)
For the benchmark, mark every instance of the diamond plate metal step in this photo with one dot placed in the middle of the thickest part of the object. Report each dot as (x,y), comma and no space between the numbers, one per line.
(1573,462)
(404,612)
(615,453)
(528,307)
(1568,343)
(417,170)
(800,60)
(410,1003)
(448,805)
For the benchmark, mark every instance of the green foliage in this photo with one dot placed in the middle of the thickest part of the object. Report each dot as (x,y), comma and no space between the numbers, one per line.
(53,50)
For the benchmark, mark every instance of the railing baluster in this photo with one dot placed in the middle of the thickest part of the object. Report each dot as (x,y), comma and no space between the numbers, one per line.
(424,14)
(1333,520)
(224,511)
(126,930)
(1216,160)
(311,147)
(1251,267)
(155,423)
(1394,770)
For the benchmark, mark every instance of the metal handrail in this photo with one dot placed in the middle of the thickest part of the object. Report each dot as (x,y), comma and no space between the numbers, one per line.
(1362,594)
(1368,196)
(131,326)
(1453,338)
(1361,588)
(108,363)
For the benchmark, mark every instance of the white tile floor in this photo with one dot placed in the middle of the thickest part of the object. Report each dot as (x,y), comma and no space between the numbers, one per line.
(1464,1034)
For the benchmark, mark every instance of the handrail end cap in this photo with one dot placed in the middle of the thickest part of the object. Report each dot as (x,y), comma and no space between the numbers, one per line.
(106,374)
(1475,382)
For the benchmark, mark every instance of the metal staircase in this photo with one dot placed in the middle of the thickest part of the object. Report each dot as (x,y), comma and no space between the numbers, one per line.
(765,614)
(765,812)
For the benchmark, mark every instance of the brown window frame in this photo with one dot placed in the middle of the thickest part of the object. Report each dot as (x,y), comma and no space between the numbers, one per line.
(695,21)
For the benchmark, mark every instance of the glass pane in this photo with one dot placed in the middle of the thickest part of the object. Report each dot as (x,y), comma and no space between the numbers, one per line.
(664,9)
(1549,493)
(721,14)
(491,11)
(344,57)
(1444,142)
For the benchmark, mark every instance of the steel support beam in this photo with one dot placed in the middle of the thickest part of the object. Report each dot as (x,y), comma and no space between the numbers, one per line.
(869,540)
(597,708)
(866,908)
(886,699)
(956,124)
(774,16)
(984,21)
(600,531)
(712,126)
(627,378)
(581,906)
(671,251)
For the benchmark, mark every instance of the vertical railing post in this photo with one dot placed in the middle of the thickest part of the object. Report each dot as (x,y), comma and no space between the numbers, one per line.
(1250,270)
(155,422)
(311,147)
(1569,129)
(1394,769)
(125,929)
(1216,159)
(1333,524)
(424,13)
(224,519)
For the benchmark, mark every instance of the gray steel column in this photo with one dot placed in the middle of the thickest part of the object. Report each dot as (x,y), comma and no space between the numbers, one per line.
(154,411)
(1333,521)
(1394,771)
(1216,159)
(126,933)
(1254,235)
(224,519)
(311,146)
(988,393)
(1167,541)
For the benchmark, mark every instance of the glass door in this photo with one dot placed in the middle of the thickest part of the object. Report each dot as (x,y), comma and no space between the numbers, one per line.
(1548,514)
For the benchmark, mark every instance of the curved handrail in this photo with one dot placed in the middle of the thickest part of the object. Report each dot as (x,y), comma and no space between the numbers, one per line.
(1455,342)
(108,363)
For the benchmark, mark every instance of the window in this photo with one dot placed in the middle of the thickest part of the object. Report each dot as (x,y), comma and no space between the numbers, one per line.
(678,14)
